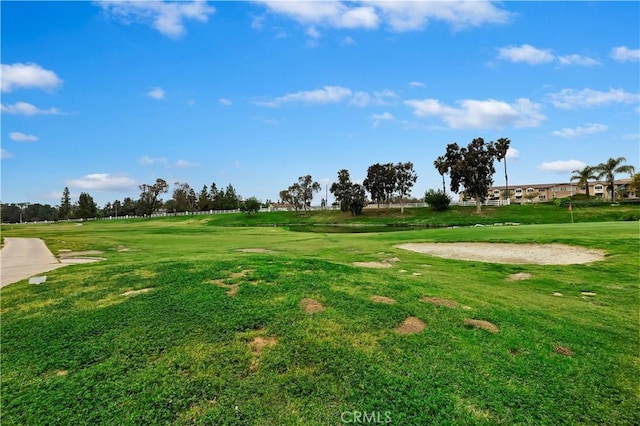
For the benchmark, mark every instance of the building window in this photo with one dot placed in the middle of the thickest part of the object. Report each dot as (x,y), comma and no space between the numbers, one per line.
(598,188)
(530,190)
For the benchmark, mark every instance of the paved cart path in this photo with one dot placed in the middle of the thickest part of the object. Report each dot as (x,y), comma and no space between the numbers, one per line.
(22,258)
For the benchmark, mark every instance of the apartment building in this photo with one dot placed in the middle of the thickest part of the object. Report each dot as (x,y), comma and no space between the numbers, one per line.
(541,192)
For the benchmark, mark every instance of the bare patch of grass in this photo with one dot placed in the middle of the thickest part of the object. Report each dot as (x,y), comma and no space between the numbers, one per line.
(482,324)
(255,250)
(519,276)
(256,346)
(411,325)
(311,306)
(383,299)
(562,350)
(136,292)
(373,265)
(440,302)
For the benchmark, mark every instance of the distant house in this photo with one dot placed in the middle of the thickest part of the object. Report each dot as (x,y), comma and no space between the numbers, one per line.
(281,207)
(541,192)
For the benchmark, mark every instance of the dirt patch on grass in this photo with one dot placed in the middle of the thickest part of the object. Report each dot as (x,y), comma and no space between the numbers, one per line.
(519,276)
(62,373)
(540,254)
(255,250)
(136,292)
(241,274)
(562,350)
(374,265)
(440,302)
(311,306)
(232,289)
(256,346)
(411,325)
(383,299)
(484,325)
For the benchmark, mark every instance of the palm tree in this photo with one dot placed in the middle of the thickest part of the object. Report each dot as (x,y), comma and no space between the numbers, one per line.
(609,169)
(443,167)
(583,176)
(502,145)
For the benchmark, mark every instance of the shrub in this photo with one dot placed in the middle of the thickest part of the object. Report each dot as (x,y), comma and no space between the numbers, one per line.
(437,200)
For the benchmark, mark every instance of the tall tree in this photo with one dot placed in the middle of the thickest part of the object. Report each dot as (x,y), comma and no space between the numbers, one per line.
(609,169)
(341,190)
(405,178)
(293,196)
(374,183)
(87,208)
(129,207)
(184,197)
(390,180)
(502,146)
(150,200)
(204,202)
(583,176)
(443,168)
(472,168)
(357,199)
(65,205)
(307,188)
(230,199)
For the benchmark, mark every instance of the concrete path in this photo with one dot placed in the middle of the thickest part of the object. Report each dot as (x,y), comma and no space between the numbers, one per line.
(22,258)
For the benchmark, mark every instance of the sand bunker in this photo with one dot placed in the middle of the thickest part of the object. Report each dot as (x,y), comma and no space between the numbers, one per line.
(311,306)
(440,302)
(383,299)
(540,254)
(485,325)
(411,325)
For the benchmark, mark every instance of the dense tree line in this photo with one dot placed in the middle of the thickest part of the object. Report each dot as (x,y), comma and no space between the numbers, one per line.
(470,169)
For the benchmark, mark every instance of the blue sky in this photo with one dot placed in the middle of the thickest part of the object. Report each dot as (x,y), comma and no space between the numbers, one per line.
(104,96)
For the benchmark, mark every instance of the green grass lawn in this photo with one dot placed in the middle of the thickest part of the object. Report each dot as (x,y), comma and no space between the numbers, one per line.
(75,350)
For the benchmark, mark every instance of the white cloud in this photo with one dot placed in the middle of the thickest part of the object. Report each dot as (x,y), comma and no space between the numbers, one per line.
(257,23)
(624,54)
(577,60)
(165,17)
(415,15)
(156,93)
(148,161)
(327,13)
(589,129)
(26,76)
(225,101)
(4,154)
(416,84)
(586,98)
(398,16)
(327,94)
(334,94)
(525,53)
(347,41)
(631,137)
(103,182)
(488,114)
(24,108)
(22,137)
(385,116)
(513,154)
(184,164)
(562,166)
(313,32)
(534,56)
